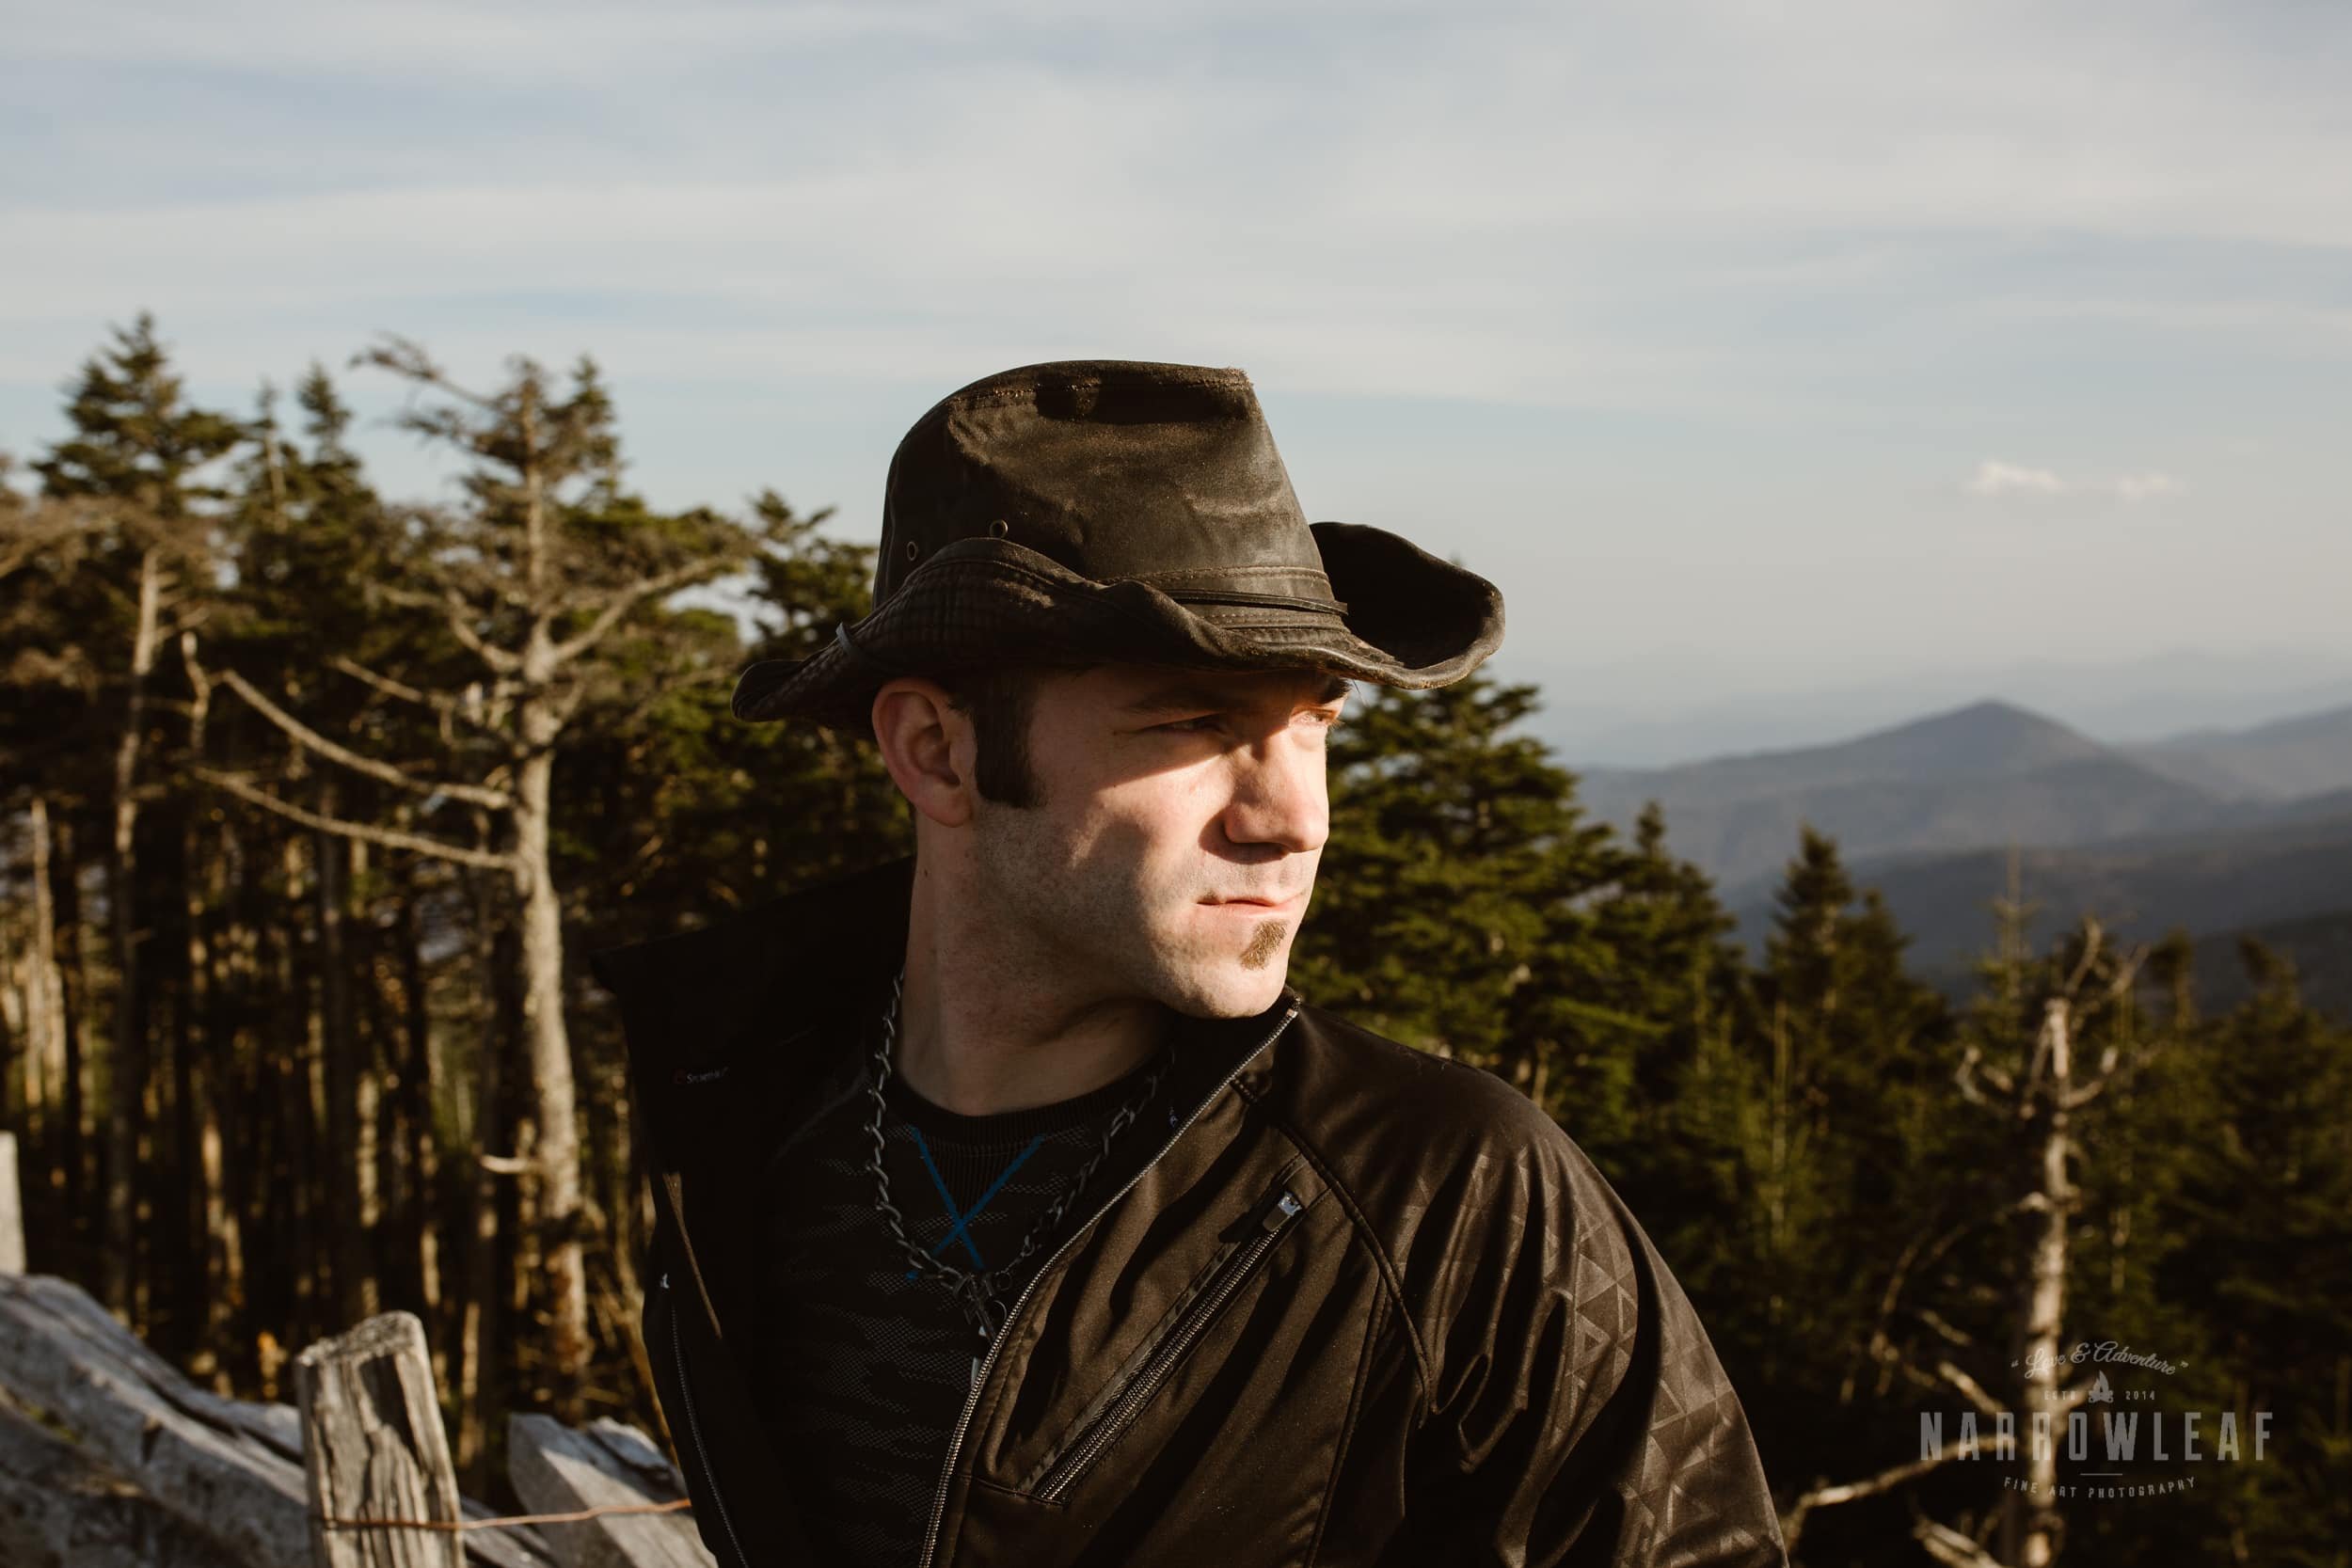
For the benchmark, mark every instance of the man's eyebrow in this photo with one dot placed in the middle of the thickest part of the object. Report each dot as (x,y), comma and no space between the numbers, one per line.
(1334,688)
(1172,696)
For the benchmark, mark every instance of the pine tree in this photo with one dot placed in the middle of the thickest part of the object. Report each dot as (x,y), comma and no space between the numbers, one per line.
(1467,905)
(709,812)
(140,452)
(2253,1241)
(1675,968)
(134,439)
(304,537)
(1446,842)
(1810,1125)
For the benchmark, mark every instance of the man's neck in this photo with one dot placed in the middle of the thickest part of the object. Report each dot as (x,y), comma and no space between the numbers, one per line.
(982,1031)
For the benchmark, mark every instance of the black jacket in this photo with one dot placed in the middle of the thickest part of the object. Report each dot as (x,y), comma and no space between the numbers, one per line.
(1361,1305)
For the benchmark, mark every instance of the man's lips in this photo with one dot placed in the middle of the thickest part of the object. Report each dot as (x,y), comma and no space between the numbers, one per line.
(1254,903)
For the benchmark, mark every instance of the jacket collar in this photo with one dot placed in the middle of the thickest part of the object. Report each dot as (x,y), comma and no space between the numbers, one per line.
(703,1011)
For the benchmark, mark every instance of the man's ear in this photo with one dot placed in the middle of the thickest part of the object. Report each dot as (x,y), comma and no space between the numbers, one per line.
(928,746)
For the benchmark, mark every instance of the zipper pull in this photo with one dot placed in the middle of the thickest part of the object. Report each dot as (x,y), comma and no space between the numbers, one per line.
(665,1279)
(1279,1211)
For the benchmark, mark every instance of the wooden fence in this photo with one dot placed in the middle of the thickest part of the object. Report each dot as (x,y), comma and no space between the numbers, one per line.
(109,1458)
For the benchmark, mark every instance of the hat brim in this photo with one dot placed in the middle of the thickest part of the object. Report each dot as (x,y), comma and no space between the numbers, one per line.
(1412,620)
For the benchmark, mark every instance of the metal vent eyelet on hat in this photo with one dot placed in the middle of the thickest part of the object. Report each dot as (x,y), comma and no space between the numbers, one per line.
(998,528)
(911,548)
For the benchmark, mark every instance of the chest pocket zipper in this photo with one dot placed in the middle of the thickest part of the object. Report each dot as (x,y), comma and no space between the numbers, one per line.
(693,1427)
(1092,1444)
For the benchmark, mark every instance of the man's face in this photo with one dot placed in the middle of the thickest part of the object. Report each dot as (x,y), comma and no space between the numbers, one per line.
(1171,799)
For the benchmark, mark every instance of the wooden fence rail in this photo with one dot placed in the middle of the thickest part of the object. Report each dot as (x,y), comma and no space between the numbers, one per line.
(110,1458)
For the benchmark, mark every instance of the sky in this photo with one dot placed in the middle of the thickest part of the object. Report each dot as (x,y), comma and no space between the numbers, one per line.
(1754,349)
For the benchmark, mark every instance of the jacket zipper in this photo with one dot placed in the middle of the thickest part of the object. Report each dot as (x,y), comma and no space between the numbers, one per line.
(693,1427)
(1004,1331)
(1080,1456)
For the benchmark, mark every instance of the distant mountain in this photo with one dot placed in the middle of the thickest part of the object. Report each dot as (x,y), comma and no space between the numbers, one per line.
(1658,708)
(2286,873)
(1987,774)
(2309,808)
(2220,832)
(2284,759)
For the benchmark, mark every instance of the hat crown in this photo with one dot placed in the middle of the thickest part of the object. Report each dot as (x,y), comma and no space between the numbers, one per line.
(1117,470)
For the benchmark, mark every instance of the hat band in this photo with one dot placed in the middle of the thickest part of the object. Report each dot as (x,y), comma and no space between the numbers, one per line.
(1265,601)
(841,635)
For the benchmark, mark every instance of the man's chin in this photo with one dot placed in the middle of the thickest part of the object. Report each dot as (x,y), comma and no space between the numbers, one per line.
(1223,988)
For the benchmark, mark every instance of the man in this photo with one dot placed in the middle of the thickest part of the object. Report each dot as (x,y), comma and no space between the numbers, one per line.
(1011,1208)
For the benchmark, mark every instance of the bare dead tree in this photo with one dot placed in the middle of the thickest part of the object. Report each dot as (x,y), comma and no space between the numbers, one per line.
(166,548)
(2040,1097)
(533,599)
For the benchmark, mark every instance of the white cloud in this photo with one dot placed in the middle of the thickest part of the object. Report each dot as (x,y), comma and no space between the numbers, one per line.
(1487,199)
(2136,487)
(2008,479)
(1995,478)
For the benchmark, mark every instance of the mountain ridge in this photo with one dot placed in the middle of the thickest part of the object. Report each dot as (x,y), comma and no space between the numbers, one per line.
(1987,772)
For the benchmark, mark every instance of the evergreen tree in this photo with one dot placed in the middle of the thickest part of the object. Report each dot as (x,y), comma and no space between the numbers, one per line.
(139,452)
(1448,844)
(1466,905)
(134,439)
(713,814)
(1810,1128)
(1677,970)
(2254,1249)
(304,537)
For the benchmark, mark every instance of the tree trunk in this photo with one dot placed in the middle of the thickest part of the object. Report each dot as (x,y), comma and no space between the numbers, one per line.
(362,1017)
(45,989)
(2034,1519)
(193,1034)
(478,1322)
(45,1095)
(221,1307)
(387,1142)
(126,1054)
(558,1200)
(420,1087)
(224,1245)
(299,1130)
(74,972)
(346,1222)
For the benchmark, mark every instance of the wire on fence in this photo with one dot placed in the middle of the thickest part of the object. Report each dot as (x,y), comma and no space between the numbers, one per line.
(505,1521)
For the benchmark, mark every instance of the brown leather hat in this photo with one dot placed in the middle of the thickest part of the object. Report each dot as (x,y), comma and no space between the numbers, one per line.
(1098,511)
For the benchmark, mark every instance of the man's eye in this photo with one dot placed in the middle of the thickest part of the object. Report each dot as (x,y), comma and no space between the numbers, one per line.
(1198,726)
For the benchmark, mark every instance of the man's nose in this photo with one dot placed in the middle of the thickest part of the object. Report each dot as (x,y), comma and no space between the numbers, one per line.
(1280,796)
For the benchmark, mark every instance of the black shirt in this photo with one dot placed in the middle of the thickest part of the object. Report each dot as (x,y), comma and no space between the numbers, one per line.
(864,1364)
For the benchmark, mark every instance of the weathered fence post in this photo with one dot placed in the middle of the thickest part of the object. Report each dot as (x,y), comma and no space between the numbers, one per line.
(373,1448)
(11,1209)
(560,1469)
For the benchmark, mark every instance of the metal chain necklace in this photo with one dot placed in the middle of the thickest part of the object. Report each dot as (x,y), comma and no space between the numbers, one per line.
(975,1292)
